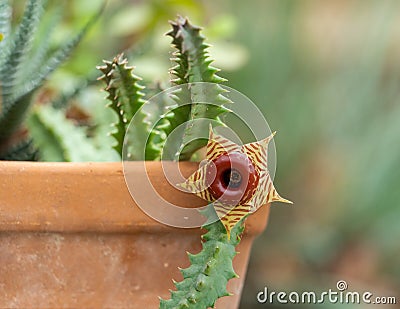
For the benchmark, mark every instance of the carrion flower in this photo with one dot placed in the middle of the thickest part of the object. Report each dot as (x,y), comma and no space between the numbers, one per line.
(234,178)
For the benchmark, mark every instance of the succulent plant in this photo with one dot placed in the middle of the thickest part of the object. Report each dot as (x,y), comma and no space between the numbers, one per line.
(205,280)
(26,60)
(126,100)
(232,179)
(238,173)
(193,65)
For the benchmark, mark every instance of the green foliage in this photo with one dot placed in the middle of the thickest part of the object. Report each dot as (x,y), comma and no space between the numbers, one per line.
(192,65)
(205,280)
(191,57)
(24,66)
(5,24)
(65,97)
(59,139)
(24,150)
(16,53)
(210,270)
(126,100)
(123,94)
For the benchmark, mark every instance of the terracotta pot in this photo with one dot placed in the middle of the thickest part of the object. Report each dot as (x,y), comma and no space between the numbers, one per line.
(72,236)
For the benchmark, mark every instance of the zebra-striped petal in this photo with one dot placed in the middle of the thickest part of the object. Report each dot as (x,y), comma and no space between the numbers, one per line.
(197,184)
(218,145)
(265,192)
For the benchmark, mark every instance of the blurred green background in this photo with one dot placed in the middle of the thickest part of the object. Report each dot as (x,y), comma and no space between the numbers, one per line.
(326,74)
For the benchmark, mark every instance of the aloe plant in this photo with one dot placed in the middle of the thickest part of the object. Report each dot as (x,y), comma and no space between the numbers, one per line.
(57,138)
(24,67)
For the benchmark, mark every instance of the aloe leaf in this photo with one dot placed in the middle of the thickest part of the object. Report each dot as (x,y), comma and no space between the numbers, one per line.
(22,151)
(20,45)
(59,139)
(5,27)
(41,48)
(56,59)
(17,96)
(12,117)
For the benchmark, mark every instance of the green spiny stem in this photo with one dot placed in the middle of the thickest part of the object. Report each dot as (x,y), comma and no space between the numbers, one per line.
(108,69)
(191,57)
(192,65)
(126,100)
(206,278)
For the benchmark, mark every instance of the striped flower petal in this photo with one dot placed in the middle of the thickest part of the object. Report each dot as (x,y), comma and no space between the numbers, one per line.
(253,153)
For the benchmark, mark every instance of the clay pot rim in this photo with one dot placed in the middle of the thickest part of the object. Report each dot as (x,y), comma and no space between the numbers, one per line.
(65,197)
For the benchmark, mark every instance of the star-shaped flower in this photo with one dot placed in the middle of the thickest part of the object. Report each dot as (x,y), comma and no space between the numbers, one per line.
(235,179)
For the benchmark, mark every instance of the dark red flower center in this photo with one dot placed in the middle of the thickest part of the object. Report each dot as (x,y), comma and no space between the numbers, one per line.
(232,178)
